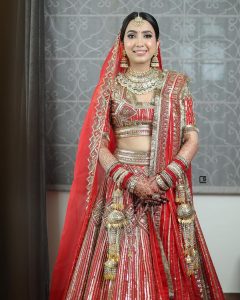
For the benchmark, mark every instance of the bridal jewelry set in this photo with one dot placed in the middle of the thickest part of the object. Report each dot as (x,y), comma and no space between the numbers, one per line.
(140,82)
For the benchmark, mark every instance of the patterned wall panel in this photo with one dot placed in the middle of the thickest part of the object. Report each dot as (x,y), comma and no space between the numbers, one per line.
(198,37)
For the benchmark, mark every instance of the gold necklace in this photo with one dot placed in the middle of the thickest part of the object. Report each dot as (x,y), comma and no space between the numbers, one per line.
(140,82)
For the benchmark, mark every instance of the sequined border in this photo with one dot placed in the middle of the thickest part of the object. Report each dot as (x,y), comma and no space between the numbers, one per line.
(99,121)
(172,87)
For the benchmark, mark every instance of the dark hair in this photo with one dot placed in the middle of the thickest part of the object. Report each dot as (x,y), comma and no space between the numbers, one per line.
(145,16)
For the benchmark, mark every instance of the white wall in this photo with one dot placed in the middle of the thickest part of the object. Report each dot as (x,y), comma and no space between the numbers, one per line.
(220,222)
(219,218)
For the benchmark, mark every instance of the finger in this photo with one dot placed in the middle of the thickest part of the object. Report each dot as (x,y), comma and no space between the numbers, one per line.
(154,203)
(159,200)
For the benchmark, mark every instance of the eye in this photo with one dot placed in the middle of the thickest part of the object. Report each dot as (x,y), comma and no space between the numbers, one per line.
(148,36)
(130,35)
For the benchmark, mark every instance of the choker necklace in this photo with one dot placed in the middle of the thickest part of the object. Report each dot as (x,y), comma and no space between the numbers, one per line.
(139,73)
(140,82)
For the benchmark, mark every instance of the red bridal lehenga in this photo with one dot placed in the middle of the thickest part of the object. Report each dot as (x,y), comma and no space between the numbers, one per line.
(162,251)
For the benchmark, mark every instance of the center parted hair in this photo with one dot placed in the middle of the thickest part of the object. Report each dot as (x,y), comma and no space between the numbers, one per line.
(145,16)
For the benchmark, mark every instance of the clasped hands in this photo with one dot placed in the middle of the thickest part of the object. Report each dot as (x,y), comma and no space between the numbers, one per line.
(148,191)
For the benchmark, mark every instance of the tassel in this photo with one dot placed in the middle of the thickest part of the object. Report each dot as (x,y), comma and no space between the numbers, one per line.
(186,217)
(116,220)
(180,194)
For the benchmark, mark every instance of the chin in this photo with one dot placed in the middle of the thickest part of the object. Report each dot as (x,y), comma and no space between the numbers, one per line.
(141,61)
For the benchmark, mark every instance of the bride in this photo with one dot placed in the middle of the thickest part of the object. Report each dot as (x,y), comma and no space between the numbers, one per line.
(131,231)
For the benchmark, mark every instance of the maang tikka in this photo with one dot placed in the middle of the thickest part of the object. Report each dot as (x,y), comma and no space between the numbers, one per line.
(138,21)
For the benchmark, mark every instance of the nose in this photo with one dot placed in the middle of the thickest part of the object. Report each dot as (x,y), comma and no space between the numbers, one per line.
(139,41)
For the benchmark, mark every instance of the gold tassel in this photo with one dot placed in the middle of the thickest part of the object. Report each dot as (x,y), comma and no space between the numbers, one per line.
(180,194)
(116,220)
(186,219)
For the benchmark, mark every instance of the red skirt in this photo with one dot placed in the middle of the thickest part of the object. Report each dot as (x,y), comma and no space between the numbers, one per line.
(151,256)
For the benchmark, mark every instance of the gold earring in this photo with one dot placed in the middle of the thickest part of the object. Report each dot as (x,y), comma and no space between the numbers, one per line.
(124,61)
(155,61)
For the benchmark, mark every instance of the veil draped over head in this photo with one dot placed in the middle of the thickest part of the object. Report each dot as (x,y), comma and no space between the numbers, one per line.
(88,173)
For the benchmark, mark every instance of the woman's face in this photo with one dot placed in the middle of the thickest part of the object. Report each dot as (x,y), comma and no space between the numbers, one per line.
(140,44)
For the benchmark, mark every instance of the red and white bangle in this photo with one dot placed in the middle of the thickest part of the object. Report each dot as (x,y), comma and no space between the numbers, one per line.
(121,176)
(113,168)
(172,172)
(126,179)
(185,163)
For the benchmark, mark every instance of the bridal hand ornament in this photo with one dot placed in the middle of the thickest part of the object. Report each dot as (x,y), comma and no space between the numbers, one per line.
(115,222)
(186,218)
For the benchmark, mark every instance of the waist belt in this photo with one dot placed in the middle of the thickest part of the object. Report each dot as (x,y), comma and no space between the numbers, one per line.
(139,130)
(139,158)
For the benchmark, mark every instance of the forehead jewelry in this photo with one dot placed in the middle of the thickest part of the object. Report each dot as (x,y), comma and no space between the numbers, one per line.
(138,20)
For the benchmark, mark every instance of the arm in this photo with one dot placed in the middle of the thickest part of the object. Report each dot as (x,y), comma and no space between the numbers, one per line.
(190,146)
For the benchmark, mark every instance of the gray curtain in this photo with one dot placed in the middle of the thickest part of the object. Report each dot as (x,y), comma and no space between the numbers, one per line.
(24,257)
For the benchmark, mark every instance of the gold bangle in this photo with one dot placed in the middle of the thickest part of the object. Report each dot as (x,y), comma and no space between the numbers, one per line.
(183,160)
(161,183)
(175,168)
(167,178)
(190,127)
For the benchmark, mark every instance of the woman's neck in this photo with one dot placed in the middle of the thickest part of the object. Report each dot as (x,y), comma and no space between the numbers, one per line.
(140,68)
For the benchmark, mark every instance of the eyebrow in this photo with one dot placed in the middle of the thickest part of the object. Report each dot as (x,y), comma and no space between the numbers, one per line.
(145,31)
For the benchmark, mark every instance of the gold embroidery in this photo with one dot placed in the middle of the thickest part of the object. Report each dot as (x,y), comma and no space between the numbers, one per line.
(115,222)
(124,108)
(161,124)
(176,110)
(98,123)
(140,130)
(133,157)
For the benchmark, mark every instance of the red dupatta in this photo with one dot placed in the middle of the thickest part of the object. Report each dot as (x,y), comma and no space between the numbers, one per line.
(171,113)
(87,175)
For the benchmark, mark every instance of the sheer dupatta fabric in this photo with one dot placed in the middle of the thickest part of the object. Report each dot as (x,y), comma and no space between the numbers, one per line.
(88,174)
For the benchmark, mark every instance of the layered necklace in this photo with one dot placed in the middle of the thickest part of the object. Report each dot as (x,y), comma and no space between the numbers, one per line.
(140,82)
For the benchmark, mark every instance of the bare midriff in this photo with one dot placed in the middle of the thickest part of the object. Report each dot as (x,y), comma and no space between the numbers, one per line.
(136,143)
